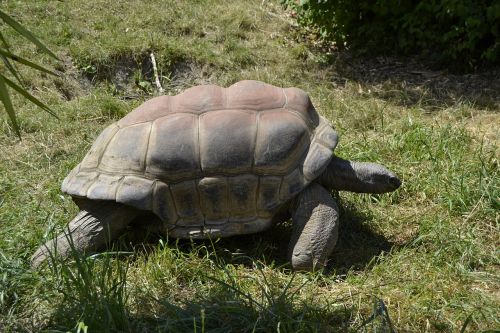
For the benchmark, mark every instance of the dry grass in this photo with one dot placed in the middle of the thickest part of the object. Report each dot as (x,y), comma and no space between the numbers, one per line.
(429,251)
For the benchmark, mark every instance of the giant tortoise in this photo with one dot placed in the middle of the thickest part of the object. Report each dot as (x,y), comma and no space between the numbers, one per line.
(217,162)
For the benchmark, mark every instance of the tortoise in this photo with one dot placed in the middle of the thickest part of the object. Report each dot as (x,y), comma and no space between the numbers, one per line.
(217,162)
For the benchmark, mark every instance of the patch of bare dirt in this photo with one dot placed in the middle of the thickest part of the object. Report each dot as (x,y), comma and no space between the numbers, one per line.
(128,73)
(131,76)
(411,81)
(184,74)
(70,83)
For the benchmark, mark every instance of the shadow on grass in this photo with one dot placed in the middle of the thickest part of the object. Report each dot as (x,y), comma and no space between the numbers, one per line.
(412,81)
(228,309)
(358,244)
(94,289)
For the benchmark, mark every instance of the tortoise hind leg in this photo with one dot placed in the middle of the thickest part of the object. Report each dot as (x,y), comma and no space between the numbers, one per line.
(94,227)
(315,219)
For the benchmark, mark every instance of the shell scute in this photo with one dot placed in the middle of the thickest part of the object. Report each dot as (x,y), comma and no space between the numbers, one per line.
(320,151)
(78,182)
(227,140)
(136,191)
(163,204)
(173,148)
(254,95)
(214,199)
(93,157)
(282,139)
(268,196)
(242,192)
(148,111)
(104,187)
(299,101)
(126,150)
(199,99)
(292,184)
(186,200)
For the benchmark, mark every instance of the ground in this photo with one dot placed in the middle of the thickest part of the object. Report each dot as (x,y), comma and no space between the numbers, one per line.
(422,259)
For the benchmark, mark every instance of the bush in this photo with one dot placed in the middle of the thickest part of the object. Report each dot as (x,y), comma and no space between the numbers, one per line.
(463,33)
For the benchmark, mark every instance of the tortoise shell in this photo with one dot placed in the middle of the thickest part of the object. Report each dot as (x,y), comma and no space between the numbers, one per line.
(210,161)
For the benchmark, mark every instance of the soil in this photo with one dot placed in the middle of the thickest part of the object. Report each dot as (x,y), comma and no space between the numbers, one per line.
(418,82)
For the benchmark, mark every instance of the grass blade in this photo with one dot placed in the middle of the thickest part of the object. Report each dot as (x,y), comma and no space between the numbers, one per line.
(6,61)
(26,62)
(379,311)
(466,322)
(7,103)
(24,32)
(29,97)
(238,291)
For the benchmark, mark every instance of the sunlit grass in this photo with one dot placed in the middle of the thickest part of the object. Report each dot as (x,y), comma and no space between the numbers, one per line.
(421,259)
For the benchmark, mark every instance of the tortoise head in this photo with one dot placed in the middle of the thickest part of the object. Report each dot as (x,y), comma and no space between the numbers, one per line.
(361,177)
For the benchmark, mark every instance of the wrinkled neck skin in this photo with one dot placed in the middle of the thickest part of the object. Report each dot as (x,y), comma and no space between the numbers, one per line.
(360,177)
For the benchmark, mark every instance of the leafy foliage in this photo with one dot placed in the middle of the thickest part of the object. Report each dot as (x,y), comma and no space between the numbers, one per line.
(7,56)
(462,33)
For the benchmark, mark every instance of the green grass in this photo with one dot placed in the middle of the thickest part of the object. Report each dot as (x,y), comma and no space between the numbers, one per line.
(422,259)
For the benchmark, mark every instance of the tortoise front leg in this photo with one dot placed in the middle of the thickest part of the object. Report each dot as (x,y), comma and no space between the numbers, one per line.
(95,226)
(315,219)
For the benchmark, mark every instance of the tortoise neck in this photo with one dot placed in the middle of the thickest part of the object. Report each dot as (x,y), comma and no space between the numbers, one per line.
(360,177)
(340,175)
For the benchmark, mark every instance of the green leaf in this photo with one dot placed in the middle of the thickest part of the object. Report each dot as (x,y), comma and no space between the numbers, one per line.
(26,62)
(11,68)
(24,32)
(7,103)
(29,97)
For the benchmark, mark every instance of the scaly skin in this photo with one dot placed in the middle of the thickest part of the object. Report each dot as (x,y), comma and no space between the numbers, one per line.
(97,224)
(315,217)
(360,177)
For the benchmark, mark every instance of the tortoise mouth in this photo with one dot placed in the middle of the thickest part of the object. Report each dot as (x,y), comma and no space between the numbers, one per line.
(395,182)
